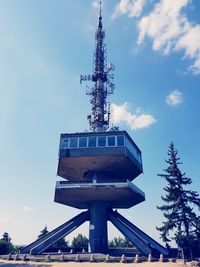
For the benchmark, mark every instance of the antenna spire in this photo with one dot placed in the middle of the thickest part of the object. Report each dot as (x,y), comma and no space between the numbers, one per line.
(100,8)
(103,83)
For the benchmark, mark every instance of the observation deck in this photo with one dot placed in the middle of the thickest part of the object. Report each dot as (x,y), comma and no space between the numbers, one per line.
(112,153)
(121,195)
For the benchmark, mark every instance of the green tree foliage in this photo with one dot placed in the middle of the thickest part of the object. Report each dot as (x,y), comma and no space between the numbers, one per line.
(60,244)
(6,246)
(80,242)
(43,232)
(6,237)
(181,221)
(119,242)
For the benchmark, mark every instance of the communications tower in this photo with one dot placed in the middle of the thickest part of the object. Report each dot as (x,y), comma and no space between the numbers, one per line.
(99,167)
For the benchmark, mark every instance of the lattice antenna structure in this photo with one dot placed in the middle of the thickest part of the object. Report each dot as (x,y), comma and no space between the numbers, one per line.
(102,78)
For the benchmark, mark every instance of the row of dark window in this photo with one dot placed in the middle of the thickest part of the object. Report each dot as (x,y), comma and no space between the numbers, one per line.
(92,141)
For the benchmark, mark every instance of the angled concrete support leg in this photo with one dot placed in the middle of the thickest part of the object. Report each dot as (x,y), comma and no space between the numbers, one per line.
(46,241)
(129,234)
(126,226)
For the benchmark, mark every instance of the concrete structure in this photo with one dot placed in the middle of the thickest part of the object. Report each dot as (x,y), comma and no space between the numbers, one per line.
(98,168)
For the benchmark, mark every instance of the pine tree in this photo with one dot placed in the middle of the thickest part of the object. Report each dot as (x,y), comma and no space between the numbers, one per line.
(43,232)
(182,222)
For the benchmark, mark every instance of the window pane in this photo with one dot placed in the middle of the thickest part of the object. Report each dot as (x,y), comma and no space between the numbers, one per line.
(120,140)
(73,142)
(101,141)
(92,141)
(139,157)
(82,141)
(111,140)
(65,143)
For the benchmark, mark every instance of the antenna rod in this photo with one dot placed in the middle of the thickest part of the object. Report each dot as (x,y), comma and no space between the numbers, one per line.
(100,8)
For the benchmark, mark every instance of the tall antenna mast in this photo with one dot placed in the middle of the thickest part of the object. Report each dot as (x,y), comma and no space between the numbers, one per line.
(103,83)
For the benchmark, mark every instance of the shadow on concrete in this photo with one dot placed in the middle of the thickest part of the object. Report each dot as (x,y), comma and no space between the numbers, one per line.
(20,264)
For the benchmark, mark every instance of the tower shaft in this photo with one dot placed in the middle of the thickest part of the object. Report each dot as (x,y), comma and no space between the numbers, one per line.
(98,234)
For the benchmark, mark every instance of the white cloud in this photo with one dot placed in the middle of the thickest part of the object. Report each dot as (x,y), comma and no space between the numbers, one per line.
(175,98)
(131,8)
(121,113)
(170,31)
(190,43)
(164,24)
(195,68)
(28,209)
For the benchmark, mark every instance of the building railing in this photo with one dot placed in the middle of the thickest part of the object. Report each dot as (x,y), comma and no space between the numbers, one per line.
(61,185)
(66,184)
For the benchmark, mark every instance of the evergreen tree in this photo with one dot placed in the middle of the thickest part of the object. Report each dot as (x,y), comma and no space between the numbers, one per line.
(5,244)
(43,232)
(182,223)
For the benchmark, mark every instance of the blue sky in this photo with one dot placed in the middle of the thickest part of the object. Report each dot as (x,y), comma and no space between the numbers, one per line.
(44,47)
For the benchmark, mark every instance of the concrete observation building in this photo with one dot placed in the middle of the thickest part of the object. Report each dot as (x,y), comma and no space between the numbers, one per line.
(99,167)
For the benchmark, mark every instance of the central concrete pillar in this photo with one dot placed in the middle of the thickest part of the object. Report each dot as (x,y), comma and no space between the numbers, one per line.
(98,233)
